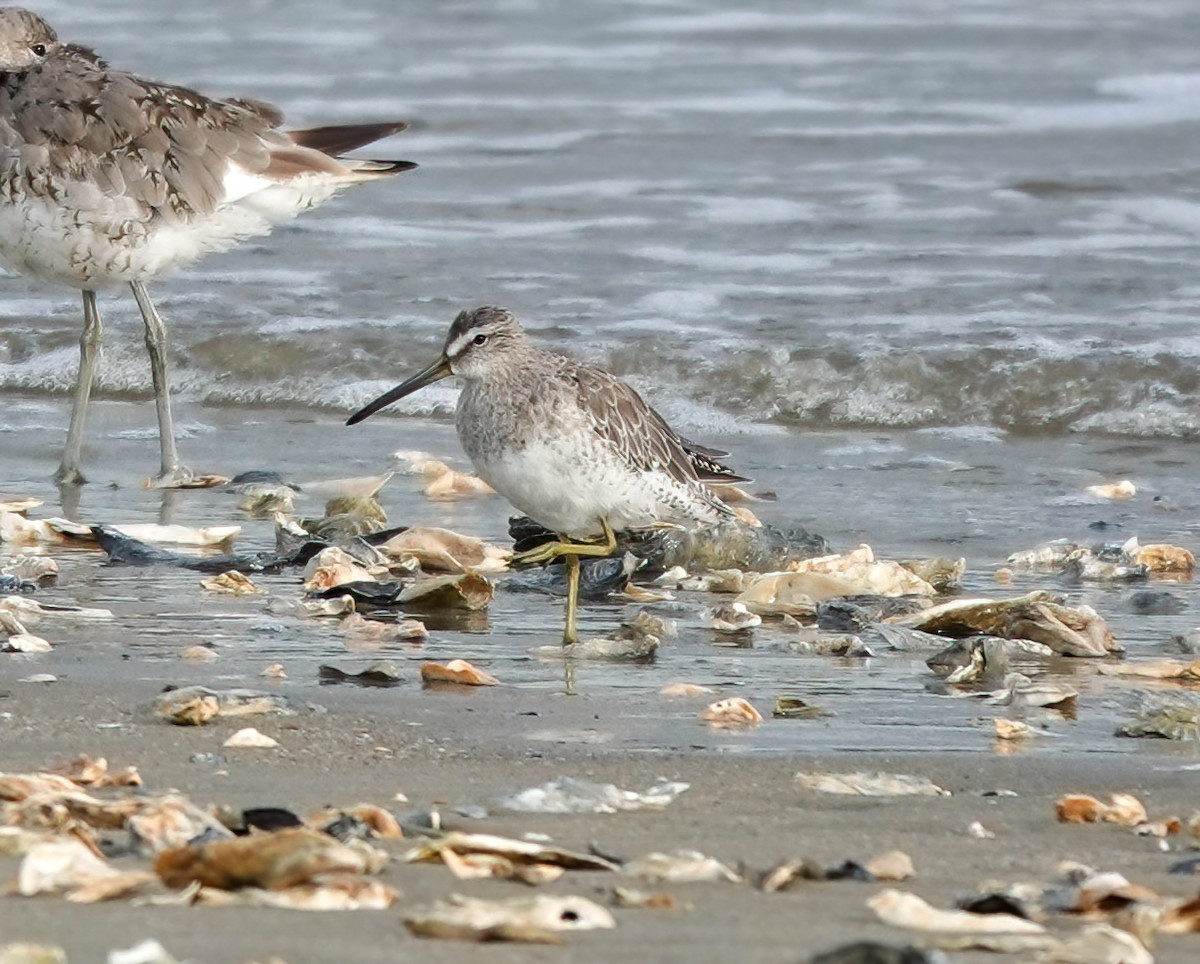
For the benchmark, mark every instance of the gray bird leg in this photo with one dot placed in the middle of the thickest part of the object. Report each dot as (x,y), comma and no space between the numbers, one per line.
(156,345)
(69,472)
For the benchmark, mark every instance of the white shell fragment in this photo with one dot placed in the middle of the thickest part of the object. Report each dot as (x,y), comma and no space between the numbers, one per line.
(900,909)
(333,567)
(250,738)
(683,866)
(1113,491)
(179,535)
(25,643)
(864,784)
(868,574)
(148,951)
(1099,944)
(732,618)
(446,551)
(68,866)
(537,920)
(571,795)
(356,487)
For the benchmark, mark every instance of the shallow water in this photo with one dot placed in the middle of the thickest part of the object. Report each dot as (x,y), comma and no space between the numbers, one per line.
(893,214)
(970,228)
(979,495)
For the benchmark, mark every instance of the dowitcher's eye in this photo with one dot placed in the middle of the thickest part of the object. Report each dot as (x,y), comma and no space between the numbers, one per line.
(39,49)
(480,339)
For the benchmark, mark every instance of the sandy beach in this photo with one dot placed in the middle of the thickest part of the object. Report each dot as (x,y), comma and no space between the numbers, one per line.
(740,808)
(464,750)
(927,272)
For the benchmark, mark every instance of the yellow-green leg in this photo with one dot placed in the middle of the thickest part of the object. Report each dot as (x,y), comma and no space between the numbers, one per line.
(571,561)
(549,551)
(570,553)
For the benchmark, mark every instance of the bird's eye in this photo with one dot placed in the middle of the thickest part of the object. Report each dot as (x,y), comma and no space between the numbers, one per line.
(38,49)
(479,339)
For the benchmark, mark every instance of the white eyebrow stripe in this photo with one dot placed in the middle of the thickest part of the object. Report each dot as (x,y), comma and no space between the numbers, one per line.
(459,345)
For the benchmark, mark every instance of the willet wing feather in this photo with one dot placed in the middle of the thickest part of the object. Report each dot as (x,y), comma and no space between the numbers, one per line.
(341,138)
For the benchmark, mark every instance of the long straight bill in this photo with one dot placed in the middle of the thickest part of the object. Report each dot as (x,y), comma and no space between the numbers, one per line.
(435,372)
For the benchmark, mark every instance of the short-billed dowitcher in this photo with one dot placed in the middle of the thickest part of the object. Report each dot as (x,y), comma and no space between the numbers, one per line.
(571,446)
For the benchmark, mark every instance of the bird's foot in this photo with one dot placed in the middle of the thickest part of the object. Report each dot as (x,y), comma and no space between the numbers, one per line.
(545,554)
(173,478)
(69,475)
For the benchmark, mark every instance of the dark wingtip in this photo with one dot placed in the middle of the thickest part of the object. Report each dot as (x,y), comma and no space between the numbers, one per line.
(382,168)
(337,139)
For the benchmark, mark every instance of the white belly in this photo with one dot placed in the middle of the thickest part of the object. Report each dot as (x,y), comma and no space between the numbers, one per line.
(90,240)
(551,483)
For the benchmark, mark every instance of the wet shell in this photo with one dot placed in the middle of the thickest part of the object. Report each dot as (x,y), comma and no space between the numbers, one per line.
(1160,557)
(193,705)
(454,485)
(1172,722)
(285,858)
(735,711)
(333,567)
(942,573)
(733,618)
(25,643)
(179,535)
(457,671)
(1113,491)
(685,689)
(446,551)
(1012,729)
(193,482)
(469,591)
(232,582)
(32,568)
(867,574)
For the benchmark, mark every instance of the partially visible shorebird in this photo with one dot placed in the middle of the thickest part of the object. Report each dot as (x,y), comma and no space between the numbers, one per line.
(107,178)
(573,447)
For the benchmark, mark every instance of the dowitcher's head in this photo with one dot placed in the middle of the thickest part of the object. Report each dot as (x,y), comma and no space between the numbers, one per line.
(25,40)
(483,340)
(480,343)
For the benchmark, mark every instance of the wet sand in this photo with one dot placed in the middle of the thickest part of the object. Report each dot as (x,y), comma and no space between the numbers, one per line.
(982,498)
(740,808)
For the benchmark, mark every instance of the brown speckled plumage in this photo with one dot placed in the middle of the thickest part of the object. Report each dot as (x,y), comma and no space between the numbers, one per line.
(108,178)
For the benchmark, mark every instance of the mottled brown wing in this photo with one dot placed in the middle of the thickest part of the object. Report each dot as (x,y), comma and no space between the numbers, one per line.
(84,114)
(640,434)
